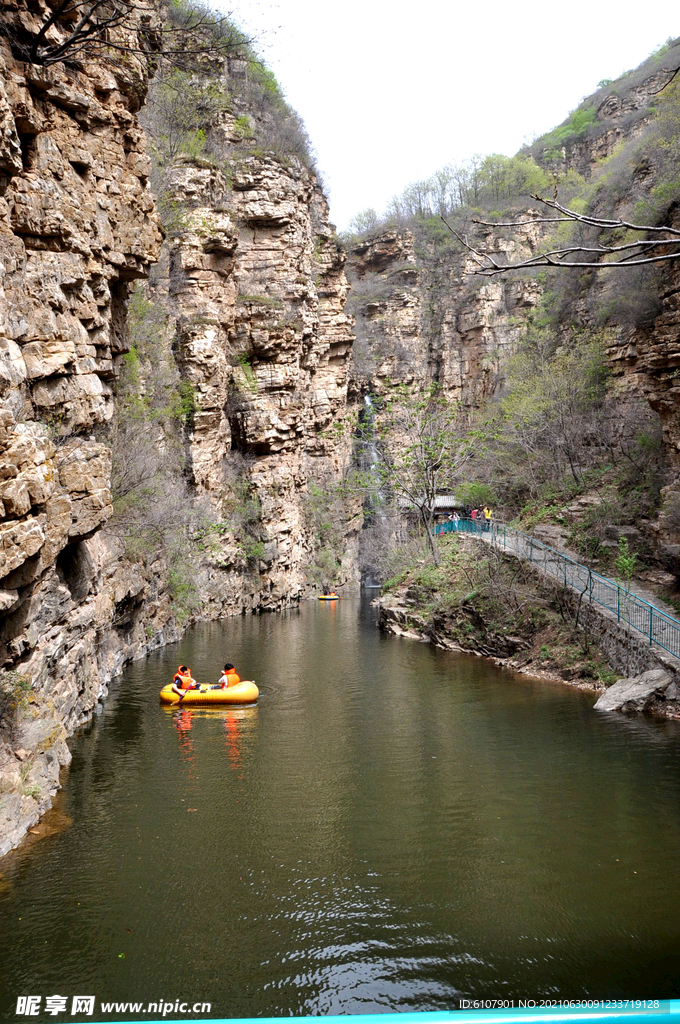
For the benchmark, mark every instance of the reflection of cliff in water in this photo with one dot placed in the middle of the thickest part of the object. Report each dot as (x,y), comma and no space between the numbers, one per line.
(37,843)
(111,737)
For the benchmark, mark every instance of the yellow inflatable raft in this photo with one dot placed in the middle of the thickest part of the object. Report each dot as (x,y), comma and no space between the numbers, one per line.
(245,692)
(329,597)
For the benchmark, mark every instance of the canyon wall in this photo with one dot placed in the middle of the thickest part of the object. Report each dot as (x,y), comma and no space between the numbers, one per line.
(618,112)
(421,316)
(257,289)
(253,287)
(256,348)
(77,225)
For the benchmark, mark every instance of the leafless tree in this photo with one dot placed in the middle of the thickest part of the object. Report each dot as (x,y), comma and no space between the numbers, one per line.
(71,31)
(420,450)
(663,246)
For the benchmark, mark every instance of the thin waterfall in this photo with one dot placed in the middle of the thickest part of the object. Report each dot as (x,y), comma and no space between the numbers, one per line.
(367,458)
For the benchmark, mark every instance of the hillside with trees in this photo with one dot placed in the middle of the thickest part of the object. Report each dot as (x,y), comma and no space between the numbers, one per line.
(563,378)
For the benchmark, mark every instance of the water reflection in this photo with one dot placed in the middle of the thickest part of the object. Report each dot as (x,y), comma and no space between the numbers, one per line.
(388,827)
(237,722)
(182,721)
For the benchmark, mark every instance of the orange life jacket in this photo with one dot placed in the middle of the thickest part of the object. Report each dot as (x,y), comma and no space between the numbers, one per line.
(184,682)
(232,678)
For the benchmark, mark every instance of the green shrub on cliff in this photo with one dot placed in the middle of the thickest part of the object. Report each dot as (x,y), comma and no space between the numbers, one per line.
(574,128)
(181,584)
(152,515)
(15,688)
(179,111)
(626,561)
(328,510)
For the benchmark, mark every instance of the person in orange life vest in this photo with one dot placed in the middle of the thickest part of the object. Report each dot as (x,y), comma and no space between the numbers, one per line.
(182,681)
(229,677)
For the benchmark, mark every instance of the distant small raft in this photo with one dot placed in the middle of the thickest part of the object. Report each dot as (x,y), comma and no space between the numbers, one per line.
(329,597)
(245,692)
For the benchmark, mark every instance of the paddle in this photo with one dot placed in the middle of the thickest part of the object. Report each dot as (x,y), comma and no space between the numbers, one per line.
(188,689)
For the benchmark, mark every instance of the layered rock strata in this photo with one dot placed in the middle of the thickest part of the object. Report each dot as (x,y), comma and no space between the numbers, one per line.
(255,291)
(257,287)
(422,316)
(620,114)
(77,225)
(645,363)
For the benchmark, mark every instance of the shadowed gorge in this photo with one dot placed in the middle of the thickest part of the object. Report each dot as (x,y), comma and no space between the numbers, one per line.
(208,399)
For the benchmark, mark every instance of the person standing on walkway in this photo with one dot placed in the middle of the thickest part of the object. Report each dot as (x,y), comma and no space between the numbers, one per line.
(487,517)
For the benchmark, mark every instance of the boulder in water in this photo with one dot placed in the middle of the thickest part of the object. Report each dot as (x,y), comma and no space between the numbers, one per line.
(640,693)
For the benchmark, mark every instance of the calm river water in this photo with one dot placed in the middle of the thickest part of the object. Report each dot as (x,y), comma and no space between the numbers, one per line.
(390,828)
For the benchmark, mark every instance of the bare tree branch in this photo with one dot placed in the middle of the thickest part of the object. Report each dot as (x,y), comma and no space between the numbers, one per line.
(597,256)
(601,222)
(673,72)
(518,223)
(73,30)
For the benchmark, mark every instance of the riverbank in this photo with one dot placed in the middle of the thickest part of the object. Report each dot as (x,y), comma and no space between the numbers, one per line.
(397,616)
(479,601)
(483,602)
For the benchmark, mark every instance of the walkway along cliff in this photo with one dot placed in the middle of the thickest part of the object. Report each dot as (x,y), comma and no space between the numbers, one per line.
(633,635)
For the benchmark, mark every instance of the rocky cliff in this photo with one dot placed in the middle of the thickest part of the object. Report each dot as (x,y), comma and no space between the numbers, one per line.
(77,225)
(253,358)
(252,286)
(412,281)
(257,288)
(420,316)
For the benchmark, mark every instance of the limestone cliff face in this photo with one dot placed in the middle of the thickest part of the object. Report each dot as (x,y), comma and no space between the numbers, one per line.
(77,224)
(617,113)
(258,291)
(255,292)
(422,317)
(257,288)
(645,361)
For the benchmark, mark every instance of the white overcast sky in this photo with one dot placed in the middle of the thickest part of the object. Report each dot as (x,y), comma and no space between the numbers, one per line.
(390,91)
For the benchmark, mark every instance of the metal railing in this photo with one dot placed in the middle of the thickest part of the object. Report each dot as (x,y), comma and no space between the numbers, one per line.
(654,624)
